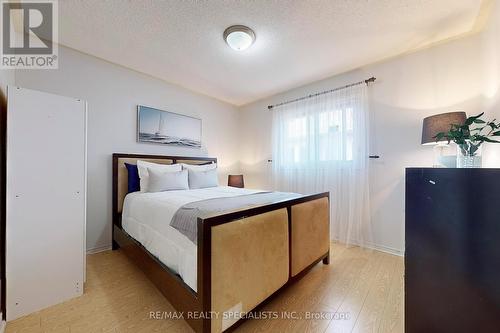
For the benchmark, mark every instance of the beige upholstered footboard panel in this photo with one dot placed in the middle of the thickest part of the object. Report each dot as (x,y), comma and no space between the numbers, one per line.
(310,233)
(249,263)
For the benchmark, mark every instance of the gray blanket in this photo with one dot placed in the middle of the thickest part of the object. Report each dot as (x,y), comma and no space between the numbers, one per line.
(186,218)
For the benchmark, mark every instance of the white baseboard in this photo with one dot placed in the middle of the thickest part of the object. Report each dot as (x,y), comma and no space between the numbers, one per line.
(386,249)
(99,249)
(2,326)
(378,247)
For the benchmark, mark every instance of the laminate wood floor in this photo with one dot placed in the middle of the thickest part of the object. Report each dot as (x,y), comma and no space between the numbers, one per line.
(360,291)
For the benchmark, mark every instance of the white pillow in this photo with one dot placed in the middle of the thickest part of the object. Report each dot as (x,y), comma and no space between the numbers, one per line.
(142,168)
(160,181)
(203,167)
(203,179)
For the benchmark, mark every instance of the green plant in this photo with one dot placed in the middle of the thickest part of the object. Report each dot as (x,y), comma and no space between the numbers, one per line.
(472,134)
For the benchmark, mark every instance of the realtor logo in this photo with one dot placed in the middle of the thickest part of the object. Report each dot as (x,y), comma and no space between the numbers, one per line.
(29,35)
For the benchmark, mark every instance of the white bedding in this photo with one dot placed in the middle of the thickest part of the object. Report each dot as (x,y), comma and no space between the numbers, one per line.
(146,217)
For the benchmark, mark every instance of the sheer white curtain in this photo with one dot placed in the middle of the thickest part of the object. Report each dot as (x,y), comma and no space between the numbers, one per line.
(321,144)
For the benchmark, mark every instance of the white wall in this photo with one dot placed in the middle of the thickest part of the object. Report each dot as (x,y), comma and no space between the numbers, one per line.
(112,93)
(444,78)
(491,68)
(491,56)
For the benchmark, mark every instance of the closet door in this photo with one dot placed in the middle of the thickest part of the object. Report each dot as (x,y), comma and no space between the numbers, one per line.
(46,207)
(3,126)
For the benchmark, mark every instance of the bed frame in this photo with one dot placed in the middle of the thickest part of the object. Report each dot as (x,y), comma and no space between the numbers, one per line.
(289,237)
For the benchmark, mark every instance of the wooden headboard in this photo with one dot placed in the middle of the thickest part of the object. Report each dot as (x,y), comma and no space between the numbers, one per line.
(120,174)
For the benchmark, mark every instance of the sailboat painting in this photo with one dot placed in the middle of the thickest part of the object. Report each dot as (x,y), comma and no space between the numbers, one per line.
(167,128)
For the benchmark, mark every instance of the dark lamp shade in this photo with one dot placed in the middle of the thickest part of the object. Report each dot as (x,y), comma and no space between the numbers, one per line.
(235,181)
(440,123)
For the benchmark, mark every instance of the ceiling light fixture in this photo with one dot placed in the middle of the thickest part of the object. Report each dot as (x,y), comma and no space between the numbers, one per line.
(239,37)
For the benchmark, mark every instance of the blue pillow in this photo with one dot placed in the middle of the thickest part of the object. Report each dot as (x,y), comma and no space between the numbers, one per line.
(134,183)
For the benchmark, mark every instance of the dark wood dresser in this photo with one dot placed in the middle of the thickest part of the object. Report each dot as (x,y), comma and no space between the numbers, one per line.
(452,259)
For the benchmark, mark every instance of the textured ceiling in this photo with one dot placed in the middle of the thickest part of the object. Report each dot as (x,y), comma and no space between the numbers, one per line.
(297,41)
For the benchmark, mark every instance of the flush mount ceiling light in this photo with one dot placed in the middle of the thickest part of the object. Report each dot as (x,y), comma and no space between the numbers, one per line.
(239,37)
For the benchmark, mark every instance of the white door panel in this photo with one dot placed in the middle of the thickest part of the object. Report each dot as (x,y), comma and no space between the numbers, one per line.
(46,185)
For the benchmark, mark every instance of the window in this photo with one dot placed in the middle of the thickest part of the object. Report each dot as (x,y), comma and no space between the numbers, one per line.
(320,137)
(320,143)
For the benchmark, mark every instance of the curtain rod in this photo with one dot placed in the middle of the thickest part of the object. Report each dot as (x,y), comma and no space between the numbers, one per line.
(367,81)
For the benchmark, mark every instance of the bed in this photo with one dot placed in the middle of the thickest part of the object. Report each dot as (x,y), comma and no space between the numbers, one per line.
(237,259)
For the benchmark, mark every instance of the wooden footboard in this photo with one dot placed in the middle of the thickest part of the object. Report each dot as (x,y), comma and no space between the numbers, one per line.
(244,257)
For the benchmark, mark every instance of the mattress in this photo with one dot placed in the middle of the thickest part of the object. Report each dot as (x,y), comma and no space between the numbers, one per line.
(146,217)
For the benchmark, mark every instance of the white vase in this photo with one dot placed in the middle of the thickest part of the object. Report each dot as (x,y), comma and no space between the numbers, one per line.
(469,156)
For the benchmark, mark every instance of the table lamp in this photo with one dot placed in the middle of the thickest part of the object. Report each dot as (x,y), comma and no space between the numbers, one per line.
(235,181)
(440,123)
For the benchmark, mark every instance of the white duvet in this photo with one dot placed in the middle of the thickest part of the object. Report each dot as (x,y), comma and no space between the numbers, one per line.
(146,217)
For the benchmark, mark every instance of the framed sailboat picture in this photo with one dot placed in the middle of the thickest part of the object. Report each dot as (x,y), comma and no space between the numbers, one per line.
(167,128)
